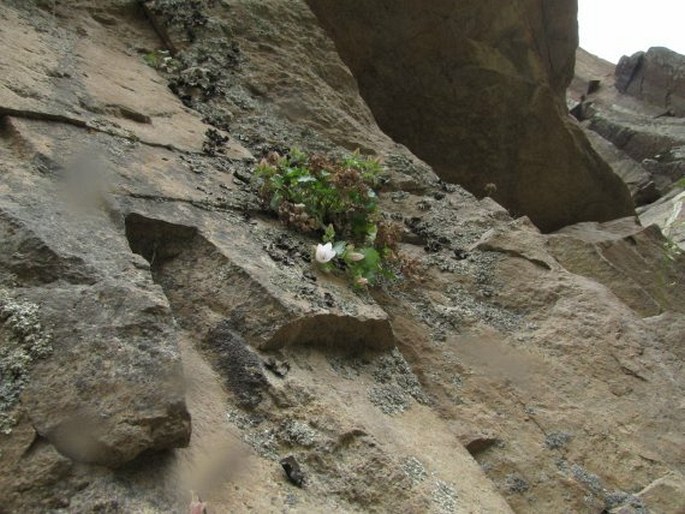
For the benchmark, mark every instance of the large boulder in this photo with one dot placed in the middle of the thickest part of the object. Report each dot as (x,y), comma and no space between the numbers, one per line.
(656,76)
(463,87)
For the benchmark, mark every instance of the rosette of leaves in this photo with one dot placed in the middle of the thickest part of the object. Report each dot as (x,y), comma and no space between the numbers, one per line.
(335,199)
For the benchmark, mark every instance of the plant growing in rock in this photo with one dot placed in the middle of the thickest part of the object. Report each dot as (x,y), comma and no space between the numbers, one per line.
(335,199)
(160,60)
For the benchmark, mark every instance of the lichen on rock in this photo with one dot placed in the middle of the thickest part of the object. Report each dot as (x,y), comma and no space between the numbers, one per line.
(23,340)
(509,341)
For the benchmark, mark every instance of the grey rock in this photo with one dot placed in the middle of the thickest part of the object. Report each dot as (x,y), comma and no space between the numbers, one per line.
(637,178)
(627,69)
(118,373)
(293,471)
(112,386)
(647,131)
(656,76)
(186,261)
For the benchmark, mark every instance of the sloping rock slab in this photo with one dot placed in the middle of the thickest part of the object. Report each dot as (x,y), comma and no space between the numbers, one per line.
(614,254)
(58,75)
(639,181)
(519,239)
(287,303)
(669,214)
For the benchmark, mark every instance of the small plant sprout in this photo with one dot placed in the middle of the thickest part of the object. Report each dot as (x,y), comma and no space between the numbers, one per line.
(334,199)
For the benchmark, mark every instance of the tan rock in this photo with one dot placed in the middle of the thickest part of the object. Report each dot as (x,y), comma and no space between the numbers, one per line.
(141,255)
(666,494)
(614,255)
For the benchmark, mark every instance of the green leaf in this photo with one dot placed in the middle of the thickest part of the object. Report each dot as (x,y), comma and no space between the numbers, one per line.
(339,247)
(329,234)
(292,173)
(371,232)
(371,257)
(275,201)
(297,155)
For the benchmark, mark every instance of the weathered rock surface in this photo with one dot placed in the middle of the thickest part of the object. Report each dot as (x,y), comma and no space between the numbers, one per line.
(611,254)
(642,145)
(283,307)
(562,374)
(636,177)
(655,143)
(481,104)
(669,214)
(626,70)
(110,388)
(656,76)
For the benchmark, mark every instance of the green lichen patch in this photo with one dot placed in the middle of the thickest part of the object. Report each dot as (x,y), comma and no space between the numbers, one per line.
(23,340)
(187,14)
(201,72)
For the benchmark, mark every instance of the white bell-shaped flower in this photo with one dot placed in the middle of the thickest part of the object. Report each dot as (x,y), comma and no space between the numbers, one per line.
(324,253)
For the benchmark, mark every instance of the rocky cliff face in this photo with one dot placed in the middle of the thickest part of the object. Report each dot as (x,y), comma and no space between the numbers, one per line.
(656,76)
(161,332)
(483,103)
(631,117)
